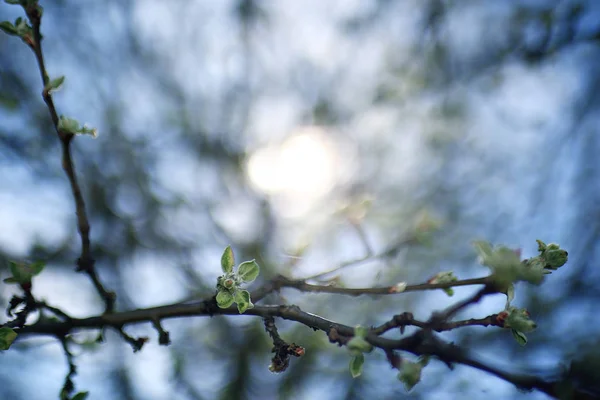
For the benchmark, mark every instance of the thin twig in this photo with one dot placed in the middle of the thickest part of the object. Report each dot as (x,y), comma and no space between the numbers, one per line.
(85,262)
(282,282)
(367,258)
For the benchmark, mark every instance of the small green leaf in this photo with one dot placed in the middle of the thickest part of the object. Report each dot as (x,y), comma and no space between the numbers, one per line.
(70,125)
(518,319)
(519,337)
(449,292)
(356,365)
(242,307)
(9,28)
(55,84)
(12,1)
(224,299)
(37,267)
(10,280)
(410,374)
(227,260)
(248,271)
(483,248)
(541,245)
(7,336)
(80,396)
(20,272)
(510,293)
(242,298)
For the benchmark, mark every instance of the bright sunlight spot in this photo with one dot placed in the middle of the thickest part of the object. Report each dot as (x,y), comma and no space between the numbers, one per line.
(303,165)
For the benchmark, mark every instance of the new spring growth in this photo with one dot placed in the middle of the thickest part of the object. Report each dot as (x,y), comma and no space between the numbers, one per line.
(444,277)
(357,346)
(507,267)
(228,284)
(23,273)
(410,372)
(517,319)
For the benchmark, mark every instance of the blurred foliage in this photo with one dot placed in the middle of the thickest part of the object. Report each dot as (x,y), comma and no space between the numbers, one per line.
(174,89)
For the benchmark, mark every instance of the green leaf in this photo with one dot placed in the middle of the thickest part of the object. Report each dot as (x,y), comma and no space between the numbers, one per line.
(20,272)
(518,319)
(55,84)
(242,298)
(224,299)
(70,125)
(519,337)
(248,271)
(541,245)
(37,267)
(23,272)
(227,260)
(9,28)
(7,336)
(242,307)
(356,365)
(80,396)
(12,1)
(410,374)
(510,293)
(483,248)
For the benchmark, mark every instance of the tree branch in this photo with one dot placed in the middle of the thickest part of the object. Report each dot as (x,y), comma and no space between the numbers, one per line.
(85,262)
(420,343)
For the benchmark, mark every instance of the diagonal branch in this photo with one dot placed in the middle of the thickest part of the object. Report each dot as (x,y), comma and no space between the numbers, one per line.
(282,282)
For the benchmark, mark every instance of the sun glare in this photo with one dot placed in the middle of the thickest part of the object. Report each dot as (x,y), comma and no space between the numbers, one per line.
(303,165)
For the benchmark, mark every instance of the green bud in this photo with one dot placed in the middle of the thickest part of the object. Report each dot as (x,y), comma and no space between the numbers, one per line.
(228,283)
(518,319)
(410,374)
(555,258)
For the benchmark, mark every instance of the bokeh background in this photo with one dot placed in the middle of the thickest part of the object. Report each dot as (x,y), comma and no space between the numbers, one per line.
(306,134)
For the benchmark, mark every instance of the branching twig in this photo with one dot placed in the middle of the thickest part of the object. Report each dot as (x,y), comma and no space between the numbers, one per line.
(418,343)
(281,282)
(85,262)
(406,319)
(452,310)
(68,386)
(282,350)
